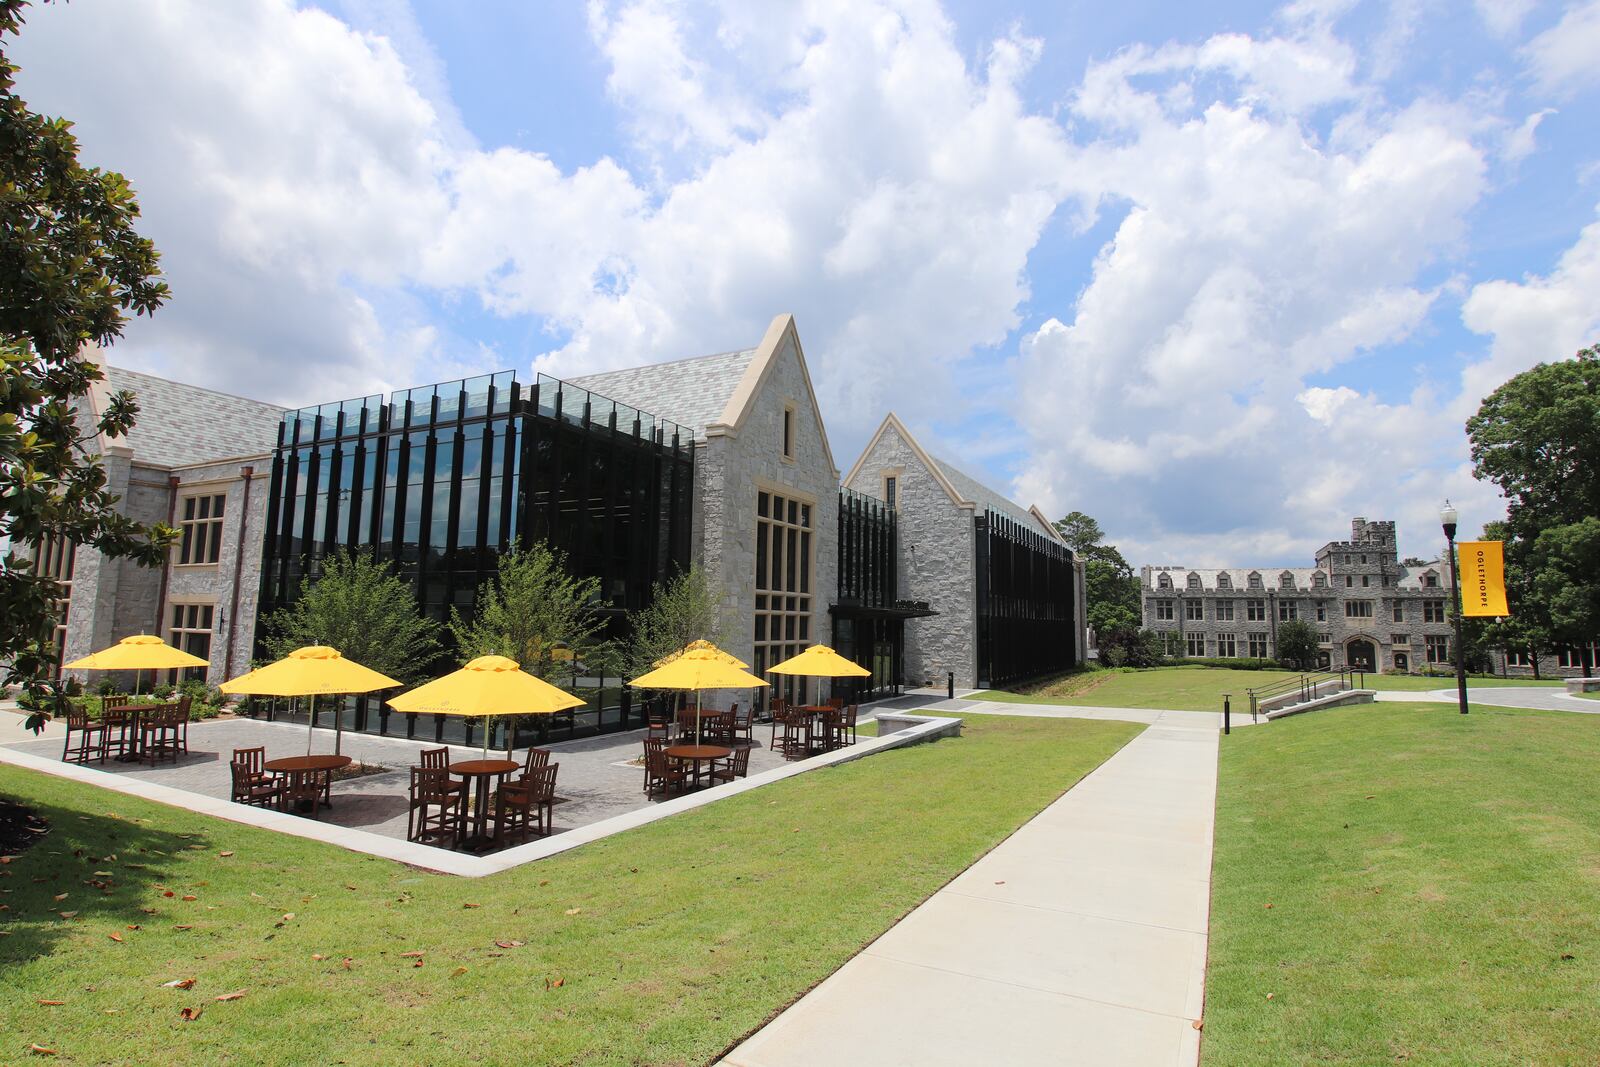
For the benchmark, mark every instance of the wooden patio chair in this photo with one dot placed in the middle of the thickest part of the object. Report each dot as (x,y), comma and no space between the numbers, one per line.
(161,733)
(735,766)
(438,813)
(842,726)
(251,785)
(523,807)
(743,724)
(89,735)
(121,736)
(661,775)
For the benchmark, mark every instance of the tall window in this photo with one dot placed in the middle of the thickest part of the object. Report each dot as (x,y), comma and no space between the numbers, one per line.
(201,525)
(191,631)
(1255,610)
(783,584)
(1258,646)
(1518,659)
(1288,611)
(1322,611)
(890,490)
(1399,611)
(1572,658)
(1194,610)
(1358,609)
(1197,644)
(53,559)
(788,432)
(1433,611)
(1164,610)
(1224,611)
(1227,645)
(1438,649)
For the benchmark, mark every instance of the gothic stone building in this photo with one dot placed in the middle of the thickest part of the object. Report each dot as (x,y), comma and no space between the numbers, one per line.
(722,461)
(1369,610)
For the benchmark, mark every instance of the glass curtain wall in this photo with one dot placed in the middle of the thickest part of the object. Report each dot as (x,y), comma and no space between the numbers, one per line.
(440,480)
(1026,592)
(868,619)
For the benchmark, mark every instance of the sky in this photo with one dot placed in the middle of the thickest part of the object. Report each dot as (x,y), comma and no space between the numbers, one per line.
(1223,276)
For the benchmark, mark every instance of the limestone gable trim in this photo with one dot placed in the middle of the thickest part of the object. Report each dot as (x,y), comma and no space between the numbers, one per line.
(743,400)
(1050,527)
(892,421)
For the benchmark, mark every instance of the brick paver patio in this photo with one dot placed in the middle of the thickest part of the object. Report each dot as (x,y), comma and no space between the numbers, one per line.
(591,785)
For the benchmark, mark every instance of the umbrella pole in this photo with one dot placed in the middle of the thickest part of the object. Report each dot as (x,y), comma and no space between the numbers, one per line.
(488,721)
(697,716)
(338,728)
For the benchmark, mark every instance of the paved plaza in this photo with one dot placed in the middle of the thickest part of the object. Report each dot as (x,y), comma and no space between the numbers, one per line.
(593,783)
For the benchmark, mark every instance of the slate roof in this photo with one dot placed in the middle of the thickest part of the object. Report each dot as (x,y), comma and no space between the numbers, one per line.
(972,489)
(182,425)
(1239,577)
(690,392)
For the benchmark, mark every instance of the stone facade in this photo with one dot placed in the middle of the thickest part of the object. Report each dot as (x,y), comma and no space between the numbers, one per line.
(1366,606)
(164,461)
(937,558)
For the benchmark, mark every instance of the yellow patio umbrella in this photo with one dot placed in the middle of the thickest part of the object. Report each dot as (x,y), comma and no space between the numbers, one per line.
(702,645)
(820,661)
(312,671)
(487,686)
(143,652)
(697,669)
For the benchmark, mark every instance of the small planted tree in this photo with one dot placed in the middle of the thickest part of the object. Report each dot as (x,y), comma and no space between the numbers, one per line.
(538,614)
(1297,643)
(685,609)
(367,612)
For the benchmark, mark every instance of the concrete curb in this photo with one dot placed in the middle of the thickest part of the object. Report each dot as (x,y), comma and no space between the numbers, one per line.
(927,728)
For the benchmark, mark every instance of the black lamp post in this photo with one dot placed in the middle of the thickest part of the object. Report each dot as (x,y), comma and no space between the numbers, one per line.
(1447,516)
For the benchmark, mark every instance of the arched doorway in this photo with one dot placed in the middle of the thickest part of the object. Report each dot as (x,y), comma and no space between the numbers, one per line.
(1360,654)
(1402,662)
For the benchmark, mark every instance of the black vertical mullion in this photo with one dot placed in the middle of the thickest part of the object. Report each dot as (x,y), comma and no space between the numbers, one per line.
(358,494)
(425,513)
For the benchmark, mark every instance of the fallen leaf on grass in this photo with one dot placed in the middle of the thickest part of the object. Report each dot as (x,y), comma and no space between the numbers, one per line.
(508,944)
(102,874)
(40,1050)
(555,983)
(133,926)
(183,928)
(472,905)
(410,955)
(458,972)
(115,937)
(179,983)
(67,914)
(60,897)
(1198,1024)
(224,855)
(52,1003)
(189,1015)
(169,893)
(348,962)
(232,996)
(1372,796)
(1269,996)
(188,896)
(319,957)
(416,963)
(1269,907)
(574,911)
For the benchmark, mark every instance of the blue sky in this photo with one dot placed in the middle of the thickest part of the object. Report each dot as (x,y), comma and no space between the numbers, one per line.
(1221,275)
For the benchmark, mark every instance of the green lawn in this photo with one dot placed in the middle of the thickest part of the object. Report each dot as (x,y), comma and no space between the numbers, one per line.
(664,945)
(1400,883)
(1196,688)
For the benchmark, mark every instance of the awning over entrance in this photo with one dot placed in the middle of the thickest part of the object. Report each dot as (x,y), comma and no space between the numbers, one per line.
(905,609)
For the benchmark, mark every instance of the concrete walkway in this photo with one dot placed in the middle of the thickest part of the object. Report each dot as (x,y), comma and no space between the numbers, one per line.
(1545,698)
(1081,939)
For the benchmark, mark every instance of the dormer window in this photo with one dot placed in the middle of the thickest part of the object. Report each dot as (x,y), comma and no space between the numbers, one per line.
(788,431)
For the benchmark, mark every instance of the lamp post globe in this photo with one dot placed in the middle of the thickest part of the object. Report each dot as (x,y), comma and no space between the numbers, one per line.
(1447,518)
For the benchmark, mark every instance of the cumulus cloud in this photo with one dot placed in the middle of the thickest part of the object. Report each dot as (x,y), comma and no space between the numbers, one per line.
(1561,60)
(1253,255)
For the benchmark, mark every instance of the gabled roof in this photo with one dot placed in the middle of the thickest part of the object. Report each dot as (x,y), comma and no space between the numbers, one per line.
(183,425)
(963,489)
(691,392)
(711,395)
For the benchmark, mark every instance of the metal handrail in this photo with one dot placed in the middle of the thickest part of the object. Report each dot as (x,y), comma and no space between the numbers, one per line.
(1307,683)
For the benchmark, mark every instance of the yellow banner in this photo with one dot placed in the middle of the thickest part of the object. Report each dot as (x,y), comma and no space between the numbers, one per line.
(1483,578)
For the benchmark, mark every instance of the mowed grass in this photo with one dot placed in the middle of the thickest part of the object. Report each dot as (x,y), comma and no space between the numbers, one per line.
(1197,688)
(663,945)
(1403,884)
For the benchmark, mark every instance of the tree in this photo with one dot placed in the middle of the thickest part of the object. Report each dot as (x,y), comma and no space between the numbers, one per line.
(71,267)
(1110,589)
(1297,642)
(363,609)
(685,609)
(367,612)
(1414,561)
(1536,437)
(536,613)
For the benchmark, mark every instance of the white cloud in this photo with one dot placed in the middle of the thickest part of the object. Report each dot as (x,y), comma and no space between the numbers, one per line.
(1503,17)
(1561,60)
(1253,255)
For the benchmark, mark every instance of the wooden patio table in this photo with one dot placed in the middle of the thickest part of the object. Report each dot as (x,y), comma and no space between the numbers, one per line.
(314,770)
(481,771)
(697,754)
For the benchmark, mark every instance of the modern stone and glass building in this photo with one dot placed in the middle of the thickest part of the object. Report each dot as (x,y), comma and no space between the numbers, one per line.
(1369,610)
(723,461)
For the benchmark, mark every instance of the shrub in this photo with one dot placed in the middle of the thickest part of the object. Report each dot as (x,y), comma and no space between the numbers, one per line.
(1233,663)
(162,691)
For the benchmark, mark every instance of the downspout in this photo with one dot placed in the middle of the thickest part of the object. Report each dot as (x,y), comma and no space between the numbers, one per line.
(238,568)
